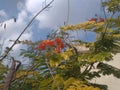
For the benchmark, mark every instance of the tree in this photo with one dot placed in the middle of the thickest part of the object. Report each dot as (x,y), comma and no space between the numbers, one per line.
(59,64)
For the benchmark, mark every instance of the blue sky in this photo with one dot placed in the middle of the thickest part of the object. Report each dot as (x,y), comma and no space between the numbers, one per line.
(10,7)
(23,10)
(80,10)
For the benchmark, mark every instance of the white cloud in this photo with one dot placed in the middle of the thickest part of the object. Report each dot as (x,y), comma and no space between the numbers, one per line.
(57,14)
(13,30)
(20,6)
(3,14)
(34,5)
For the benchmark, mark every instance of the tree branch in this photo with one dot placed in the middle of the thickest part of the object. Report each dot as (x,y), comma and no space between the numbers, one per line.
(10,75)
(5,55)
(58,88)
(107,22)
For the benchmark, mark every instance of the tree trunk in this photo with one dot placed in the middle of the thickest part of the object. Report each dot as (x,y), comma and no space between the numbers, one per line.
(9,76)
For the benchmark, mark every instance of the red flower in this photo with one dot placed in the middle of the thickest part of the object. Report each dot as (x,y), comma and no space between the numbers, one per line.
(57,49)
(93,19)
(61,45)
(46,42)
(58,40)
(101,20)
(41,46)
(51,43)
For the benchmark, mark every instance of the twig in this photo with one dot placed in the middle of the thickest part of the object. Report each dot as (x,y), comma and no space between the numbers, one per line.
(68,14)
(25,30)
(52,75)
(33,67)
(107,22)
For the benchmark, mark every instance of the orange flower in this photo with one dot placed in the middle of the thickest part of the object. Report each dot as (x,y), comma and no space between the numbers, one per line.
(51,43)
(93,19)
(61,45)
(46,42)
(101,20)
(58,40)
(57,49)
(41,46)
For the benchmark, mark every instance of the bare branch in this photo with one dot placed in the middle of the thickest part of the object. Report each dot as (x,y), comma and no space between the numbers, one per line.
(25,29)
(10,76)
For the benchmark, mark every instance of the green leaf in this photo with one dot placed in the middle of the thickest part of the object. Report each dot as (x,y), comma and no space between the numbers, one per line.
(106,69)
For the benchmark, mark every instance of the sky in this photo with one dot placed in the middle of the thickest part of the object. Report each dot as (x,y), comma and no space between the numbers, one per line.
(52,18)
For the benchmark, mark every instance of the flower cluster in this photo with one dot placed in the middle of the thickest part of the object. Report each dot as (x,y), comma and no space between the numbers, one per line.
(97,19)
(57,43)
(90,24)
